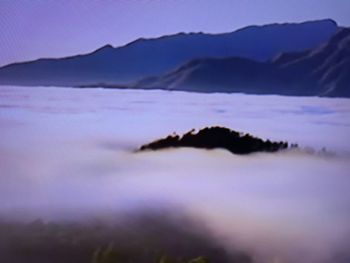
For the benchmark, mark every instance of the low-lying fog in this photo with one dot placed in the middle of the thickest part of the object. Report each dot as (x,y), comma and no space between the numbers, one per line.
(68,154)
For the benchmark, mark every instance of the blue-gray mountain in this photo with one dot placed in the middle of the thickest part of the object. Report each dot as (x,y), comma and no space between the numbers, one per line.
(147,57)
(322,71)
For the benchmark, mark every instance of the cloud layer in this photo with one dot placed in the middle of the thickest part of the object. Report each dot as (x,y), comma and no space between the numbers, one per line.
(68,153)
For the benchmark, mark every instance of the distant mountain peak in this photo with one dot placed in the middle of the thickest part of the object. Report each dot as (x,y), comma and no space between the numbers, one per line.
(324,21)
(321,22)
(104,48)
(322,71)
(327,20)
(156,56)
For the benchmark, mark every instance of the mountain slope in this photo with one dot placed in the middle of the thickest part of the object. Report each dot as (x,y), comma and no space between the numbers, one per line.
(145,57)
(329,65)
(321,71)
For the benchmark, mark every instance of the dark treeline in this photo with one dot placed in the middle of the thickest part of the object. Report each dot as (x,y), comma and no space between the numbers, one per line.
(218,137)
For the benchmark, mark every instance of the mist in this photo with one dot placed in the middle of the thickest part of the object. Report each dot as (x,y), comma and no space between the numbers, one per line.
(68,154)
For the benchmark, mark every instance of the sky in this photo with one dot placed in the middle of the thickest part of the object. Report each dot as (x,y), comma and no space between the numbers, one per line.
(39,28)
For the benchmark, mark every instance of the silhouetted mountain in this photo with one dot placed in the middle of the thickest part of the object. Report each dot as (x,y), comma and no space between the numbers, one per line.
(217,137)
(328,65)
(147,57)
(323,71)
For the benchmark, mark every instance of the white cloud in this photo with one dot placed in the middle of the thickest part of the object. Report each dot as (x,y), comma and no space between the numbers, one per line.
(68,152)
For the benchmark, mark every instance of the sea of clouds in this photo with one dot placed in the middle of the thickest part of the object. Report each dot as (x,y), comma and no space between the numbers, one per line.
(70,153)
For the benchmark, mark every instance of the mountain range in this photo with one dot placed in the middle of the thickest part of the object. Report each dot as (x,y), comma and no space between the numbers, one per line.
(322,71)
(310,58)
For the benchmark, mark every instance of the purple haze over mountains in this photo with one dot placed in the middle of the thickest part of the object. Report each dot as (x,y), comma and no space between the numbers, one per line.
(35,29)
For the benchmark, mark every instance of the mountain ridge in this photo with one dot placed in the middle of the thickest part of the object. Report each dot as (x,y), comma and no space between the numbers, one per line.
(323,71)
(146,57)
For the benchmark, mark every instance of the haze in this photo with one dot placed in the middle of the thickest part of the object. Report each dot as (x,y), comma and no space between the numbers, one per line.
(36,29)
(69,154)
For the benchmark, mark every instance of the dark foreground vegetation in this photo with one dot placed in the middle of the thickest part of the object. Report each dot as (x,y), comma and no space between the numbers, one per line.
(218,137)
(148,238)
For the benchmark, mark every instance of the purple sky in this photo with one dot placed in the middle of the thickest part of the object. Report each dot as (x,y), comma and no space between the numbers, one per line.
(34,29)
